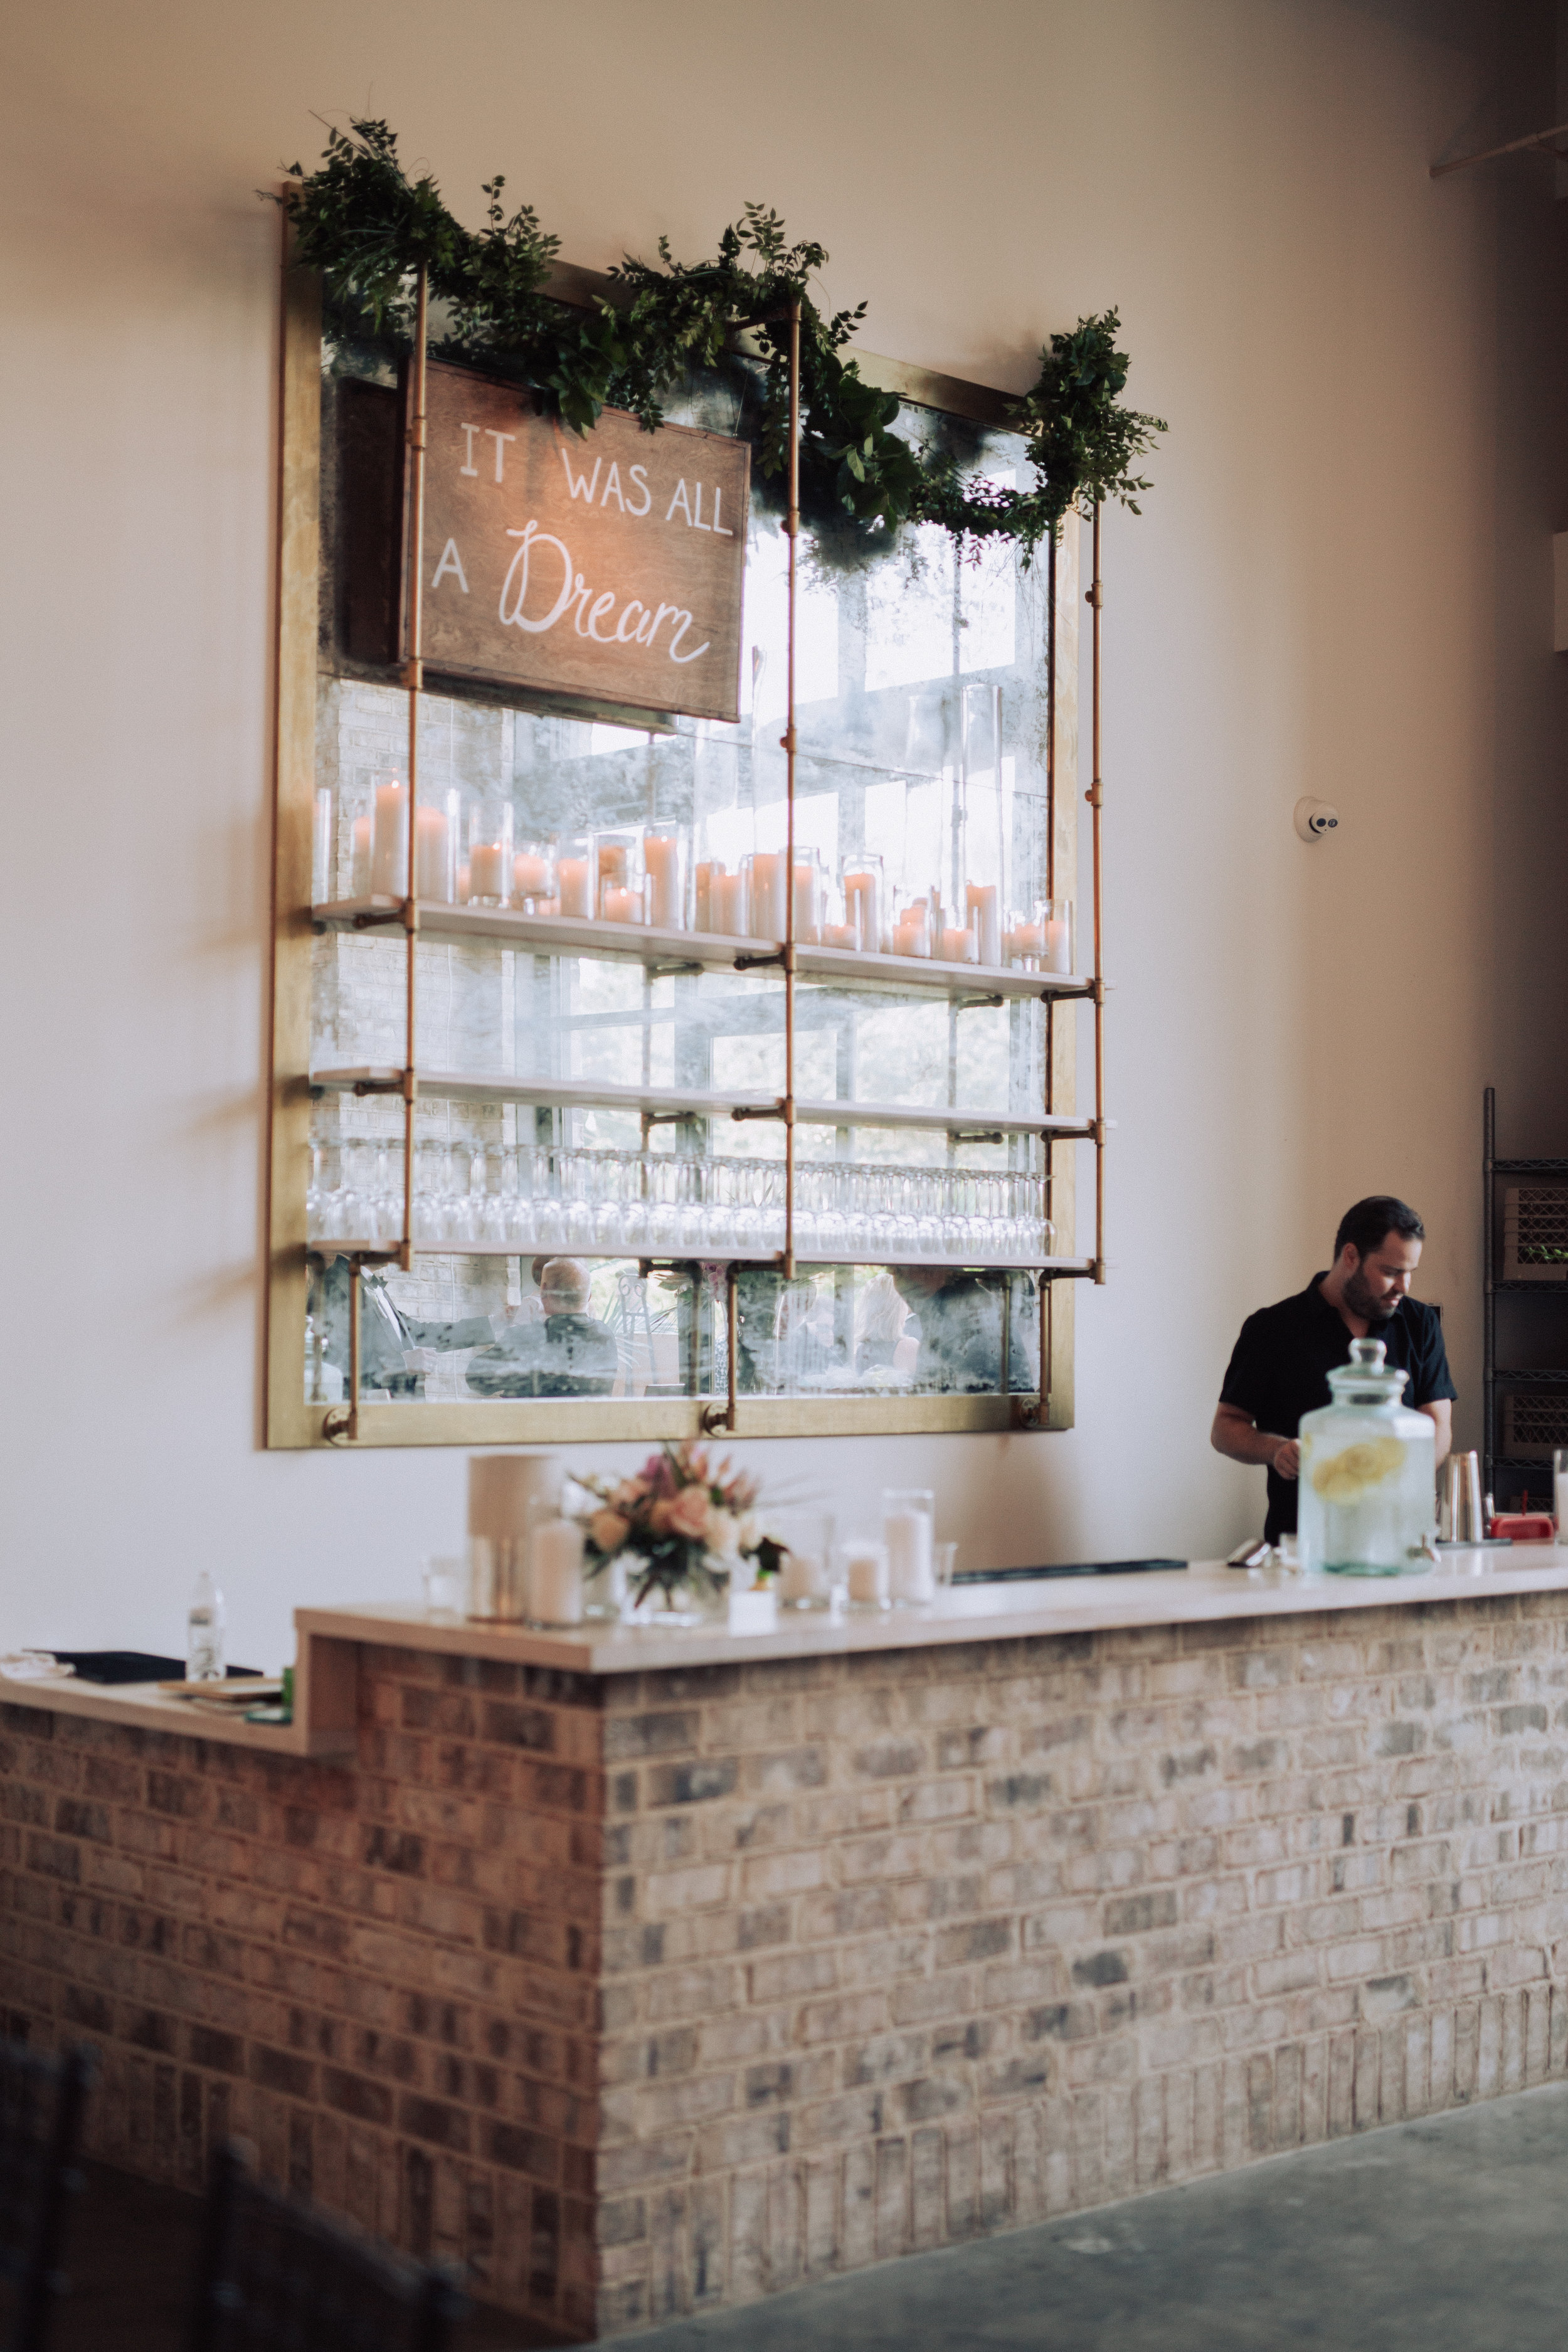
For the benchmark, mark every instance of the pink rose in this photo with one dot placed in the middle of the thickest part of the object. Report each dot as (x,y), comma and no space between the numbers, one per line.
(689,1513)
(609,1530)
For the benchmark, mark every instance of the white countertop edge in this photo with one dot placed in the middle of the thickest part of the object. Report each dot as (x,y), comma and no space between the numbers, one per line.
(1204,1593)
(147,1709)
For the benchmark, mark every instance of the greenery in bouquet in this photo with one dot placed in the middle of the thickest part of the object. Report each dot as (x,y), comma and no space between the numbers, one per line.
(678,1523)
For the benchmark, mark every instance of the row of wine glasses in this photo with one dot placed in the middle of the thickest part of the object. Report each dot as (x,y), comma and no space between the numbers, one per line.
(523,1197)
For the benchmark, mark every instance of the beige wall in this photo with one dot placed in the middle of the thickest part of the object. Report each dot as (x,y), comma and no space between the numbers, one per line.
(1341,582)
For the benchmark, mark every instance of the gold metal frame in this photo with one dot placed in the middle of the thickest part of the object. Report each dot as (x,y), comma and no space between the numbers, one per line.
(293,1424)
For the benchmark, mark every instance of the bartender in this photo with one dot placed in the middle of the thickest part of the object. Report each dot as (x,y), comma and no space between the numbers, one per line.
(1279,1367)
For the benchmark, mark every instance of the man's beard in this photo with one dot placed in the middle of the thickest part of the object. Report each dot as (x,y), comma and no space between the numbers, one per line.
(1361,1299)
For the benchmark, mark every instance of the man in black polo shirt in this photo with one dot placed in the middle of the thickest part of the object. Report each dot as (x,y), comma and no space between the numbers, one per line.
(1280,1364)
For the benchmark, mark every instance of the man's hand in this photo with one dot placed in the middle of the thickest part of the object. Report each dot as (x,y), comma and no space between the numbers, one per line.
(1287,1463)
(1235,1435)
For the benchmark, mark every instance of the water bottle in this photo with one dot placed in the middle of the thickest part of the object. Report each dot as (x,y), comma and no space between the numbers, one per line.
(204,1633)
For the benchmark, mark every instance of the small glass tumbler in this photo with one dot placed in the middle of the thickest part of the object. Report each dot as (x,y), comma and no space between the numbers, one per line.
(908,1532)
(805,1571)
(866,1572)
(533,877)
(1054,920)
(491,855)
(575,889)
(444,1580)
(1559,1485)
(942,1559)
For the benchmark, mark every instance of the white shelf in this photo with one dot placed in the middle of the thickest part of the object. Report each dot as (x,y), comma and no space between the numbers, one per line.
(565,935)
(582,1093)
(704,1255)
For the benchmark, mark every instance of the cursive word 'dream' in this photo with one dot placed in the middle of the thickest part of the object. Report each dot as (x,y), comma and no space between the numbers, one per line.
(526,586)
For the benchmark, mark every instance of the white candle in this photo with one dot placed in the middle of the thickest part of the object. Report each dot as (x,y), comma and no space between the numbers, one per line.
(703,880)
(1058,946)
(556,1573)
(322,876)
(801,1577)
(622,906)
(661,856)
(808,913)
(572,881)
(389,854)
(910,939)
(487,870)
(865,1568)
(768,895)
(432,863)
(530,876)
(840,935)
(982,900)
(906,1535)
(957,947)
(862,904)
(1026,944)
(728,901)
(359,870)
(465,883)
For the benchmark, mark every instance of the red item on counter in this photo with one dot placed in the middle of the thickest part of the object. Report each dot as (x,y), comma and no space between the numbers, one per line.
(1524,1526)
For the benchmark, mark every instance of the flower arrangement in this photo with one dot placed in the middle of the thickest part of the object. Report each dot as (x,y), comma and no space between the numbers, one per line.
(684,1522)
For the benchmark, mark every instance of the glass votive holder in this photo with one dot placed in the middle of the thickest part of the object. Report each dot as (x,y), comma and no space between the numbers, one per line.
(1023,941)
(1053,920)
(359,856)
(810,897)
(767,874)
(864,1562)
(805,1573)
(533,877)
(982,915)
(958,944)
(444,1580)
(575,887)
(943,1558)
(839,928)
(618,876)
(866,906)
(491,855)
(624,902)
(729,900)
(703,871)
(665,863)
(909,1533)
(389,838)
(912,928)
(435,831)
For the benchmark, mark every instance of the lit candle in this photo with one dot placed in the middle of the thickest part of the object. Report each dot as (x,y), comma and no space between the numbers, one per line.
(910,937)
(704,882)
(358,869)
(862,906)
(530,876)
(432,861)
(322,877)
(661,856)
(808,912)
(389,851)
(1059,945)
(906,1535)
(486,871)
(572,880)
(1026,944)
(840,935)
(768,869)
(623,904)
(465,884)
(801,1577)
(866,1569)
(556,1573)
(983,903)
(728,901)
(957,947)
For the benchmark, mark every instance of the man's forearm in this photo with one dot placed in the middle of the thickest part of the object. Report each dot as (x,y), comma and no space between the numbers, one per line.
(1242,1442)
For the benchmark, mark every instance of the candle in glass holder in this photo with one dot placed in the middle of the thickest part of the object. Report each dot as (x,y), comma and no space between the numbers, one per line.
(574,880)
(703,880)
(1055,916)
(555,1573)
(389,840)
(841,935)
(807,900)
(958,946)
(623,902)
(769,870)
(911,932)
(865,1573)
(728,900)
(322,846)
(983,904)
(908,1524)
(359,868)
(487,872)
(661,859)
(433,856)
(531,877)
(1026,942)
(863,905)
(465,882)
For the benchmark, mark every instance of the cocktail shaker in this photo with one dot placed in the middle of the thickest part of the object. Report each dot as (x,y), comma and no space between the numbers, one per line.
(1460,1518)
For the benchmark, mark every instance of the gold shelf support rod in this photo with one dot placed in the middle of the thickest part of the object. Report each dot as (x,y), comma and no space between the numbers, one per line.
(1096,599)
(792,525)
(415,680)
(1538,139)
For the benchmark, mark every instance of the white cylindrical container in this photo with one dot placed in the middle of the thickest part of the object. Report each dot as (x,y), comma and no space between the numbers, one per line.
(555,1576)
(389,840)
(507,1493)
(667,896)
(866,1572)
(908,1528)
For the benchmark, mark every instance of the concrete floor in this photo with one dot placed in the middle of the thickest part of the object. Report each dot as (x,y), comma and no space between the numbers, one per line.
(1449,2235)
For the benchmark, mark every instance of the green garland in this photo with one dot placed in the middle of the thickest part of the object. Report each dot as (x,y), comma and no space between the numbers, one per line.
(360,220)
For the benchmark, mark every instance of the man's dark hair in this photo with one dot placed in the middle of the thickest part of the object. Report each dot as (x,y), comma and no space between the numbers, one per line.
(1368,1222)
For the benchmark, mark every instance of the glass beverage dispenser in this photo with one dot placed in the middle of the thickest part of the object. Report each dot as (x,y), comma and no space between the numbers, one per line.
(1368,1476)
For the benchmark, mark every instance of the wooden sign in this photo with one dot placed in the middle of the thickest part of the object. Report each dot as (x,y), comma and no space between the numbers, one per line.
(607,565)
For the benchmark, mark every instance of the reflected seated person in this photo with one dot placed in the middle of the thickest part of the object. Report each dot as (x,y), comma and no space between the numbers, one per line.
(569,1353)
(959,1320)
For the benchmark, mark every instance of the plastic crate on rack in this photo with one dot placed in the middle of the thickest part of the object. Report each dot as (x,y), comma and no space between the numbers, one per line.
(1535,1232)
(1533,1425)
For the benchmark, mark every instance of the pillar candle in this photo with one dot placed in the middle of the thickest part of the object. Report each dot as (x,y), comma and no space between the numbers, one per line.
(1027,943)
(957,947)
(906,1535)
(487,870)
(866,1566)
(389,851)
(983,902)
(661,856)
(862,903)
(704,878)
(622,904)
(432,863)
(323,879)
(801,1577)
(910,938)
(808,912)
(1058,946)
(572,880)
(465,883)
(556,1573)
(729,903)
(768,871)
(358,871)
(840,935)
(529,876)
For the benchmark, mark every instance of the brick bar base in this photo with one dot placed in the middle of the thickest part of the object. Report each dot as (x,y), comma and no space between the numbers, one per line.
(643,1994)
